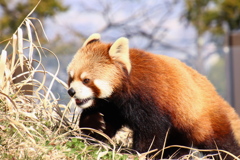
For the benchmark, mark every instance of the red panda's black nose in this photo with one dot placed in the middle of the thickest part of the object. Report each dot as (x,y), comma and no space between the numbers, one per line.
(71,92)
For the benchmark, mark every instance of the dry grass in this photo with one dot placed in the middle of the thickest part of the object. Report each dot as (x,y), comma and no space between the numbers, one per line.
(35,126)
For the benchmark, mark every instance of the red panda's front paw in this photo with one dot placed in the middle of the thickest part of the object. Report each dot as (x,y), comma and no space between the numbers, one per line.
(102,124)
(93,120)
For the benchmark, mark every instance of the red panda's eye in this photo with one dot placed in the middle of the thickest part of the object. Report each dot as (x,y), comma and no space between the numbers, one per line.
(86,80)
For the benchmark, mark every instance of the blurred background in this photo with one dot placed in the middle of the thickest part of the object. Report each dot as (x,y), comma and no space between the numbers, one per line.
(202,33)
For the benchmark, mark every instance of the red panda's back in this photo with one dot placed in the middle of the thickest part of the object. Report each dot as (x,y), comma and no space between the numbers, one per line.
(189,97)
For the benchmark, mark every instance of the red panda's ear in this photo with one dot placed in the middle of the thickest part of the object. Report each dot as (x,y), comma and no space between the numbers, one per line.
(119,51)
(92,38)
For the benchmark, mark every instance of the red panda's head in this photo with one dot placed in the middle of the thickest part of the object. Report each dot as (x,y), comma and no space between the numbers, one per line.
(96,70)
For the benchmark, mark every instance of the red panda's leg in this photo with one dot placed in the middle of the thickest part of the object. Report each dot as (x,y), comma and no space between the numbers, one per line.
(150,141)
(92,120)
(96,120)
(147,141)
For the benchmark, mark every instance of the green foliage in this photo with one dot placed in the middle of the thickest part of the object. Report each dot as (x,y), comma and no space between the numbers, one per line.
(14,13)
(82,150)
(194,13)
(212,15)
(230,13)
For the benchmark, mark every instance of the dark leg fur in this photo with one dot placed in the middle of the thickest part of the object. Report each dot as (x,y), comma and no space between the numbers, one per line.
(103,117)
(92,120)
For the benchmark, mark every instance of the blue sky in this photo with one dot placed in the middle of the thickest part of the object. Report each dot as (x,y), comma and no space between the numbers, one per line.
(91,20)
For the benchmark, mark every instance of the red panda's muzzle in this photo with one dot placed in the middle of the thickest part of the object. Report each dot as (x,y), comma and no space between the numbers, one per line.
(80,102)
(83,95)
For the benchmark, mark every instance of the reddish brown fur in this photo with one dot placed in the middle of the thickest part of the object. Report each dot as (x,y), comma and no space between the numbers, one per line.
(160,93)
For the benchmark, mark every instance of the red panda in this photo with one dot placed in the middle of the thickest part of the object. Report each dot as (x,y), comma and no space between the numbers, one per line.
(156,96)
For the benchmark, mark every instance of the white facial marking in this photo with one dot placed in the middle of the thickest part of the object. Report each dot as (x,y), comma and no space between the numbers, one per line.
(105,88)
(82,92)
(83,75)
(71,73)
